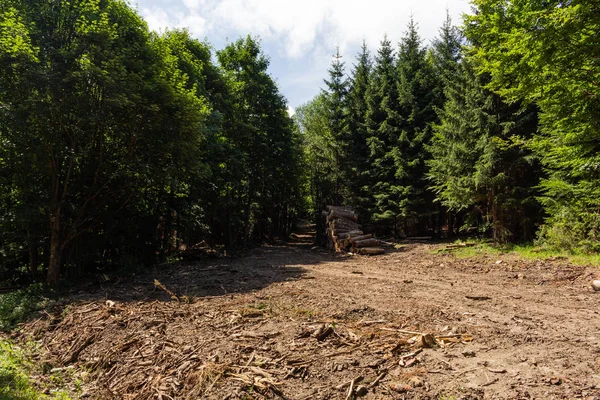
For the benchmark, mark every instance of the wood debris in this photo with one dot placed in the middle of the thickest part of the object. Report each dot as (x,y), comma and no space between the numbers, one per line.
(344,234)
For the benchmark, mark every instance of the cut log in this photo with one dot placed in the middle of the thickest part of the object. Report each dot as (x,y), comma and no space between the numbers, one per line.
(343,214)
(359,238)
(371,251)
(341,220)
(351,234)
(343,229)
(331,220)
(366,243)
(341,224)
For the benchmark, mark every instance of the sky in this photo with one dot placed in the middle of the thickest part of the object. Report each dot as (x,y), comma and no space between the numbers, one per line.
(300,37)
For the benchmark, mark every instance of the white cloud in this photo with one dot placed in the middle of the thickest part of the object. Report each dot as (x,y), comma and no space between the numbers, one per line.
(297,25)
(156,18)
(159,19)
(301,36)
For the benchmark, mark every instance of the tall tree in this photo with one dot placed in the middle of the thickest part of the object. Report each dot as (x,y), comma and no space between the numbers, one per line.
(546,52)
(358,150)
(445,55)
(383,122)
(416,86)
(336,97)
(447,52)
(264,136)
(479,166)
(319,158)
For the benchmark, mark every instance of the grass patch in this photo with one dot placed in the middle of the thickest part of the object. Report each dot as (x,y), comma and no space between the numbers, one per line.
(17,306)
(528,252)
(15,369)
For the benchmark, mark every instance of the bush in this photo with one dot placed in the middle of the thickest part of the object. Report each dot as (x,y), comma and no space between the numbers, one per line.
(572,229)
(17,306)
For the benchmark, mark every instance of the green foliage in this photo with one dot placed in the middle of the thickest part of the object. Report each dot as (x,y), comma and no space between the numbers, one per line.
(547,52)
(15,369)
(479,164)
(383,122)
(265,138)
(357,149)
(18,306)
(119,146)
(416,88)
(336,102)
(320,159)
(446,55)
(400,107)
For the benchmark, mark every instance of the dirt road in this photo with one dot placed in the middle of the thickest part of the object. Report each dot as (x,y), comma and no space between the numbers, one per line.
(296,322)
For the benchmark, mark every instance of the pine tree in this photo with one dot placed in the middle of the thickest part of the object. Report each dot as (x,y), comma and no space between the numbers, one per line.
(479,166)
(336,98)
(383,124)
(445,55)
(358,150)
(416,97)
(447,52)
(546,52)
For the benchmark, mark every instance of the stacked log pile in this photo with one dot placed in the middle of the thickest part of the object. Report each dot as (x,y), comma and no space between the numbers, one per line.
(343,232)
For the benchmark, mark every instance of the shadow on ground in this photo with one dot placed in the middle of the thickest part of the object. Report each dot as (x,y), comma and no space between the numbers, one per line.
(250,271)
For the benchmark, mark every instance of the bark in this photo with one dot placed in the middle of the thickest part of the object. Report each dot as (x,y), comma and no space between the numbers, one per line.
(372,251)
(366,243)
(350,215)
(350,234)
(338,224)
(359,238)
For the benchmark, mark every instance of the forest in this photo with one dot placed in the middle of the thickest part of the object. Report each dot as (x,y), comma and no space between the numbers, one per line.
(122,147)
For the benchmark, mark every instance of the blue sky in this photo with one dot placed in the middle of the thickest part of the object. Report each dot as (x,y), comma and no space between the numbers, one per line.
(300,37)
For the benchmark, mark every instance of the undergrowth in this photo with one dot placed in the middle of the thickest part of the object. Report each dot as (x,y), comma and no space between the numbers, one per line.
(15,369)
(528,251)
(17,306)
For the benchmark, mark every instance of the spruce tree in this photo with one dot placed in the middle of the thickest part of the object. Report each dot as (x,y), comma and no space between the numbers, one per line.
(446,52)
(479,166)
(358,150)
(336,97)
(416,98)
(547,52)
(383,124)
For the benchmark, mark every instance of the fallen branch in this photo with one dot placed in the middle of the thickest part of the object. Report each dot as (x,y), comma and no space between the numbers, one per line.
(376,381)
(490,382)
(355,380)
(478,298)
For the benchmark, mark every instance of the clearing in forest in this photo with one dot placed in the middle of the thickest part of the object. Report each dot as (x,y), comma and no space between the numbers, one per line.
(293,321)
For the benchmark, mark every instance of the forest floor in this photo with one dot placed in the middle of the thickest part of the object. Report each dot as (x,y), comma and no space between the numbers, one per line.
(293,321)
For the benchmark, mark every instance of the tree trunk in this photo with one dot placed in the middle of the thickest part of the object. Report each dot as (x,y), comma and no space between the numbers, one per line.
(55,249)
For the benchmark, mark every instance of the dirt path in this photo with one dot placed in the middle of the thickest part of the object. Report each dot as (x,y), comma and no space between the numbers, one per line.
(248,328)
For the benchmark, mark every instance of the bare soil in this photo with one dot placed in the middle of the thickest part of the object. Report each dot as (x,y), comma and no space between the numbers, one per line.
(293,321)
